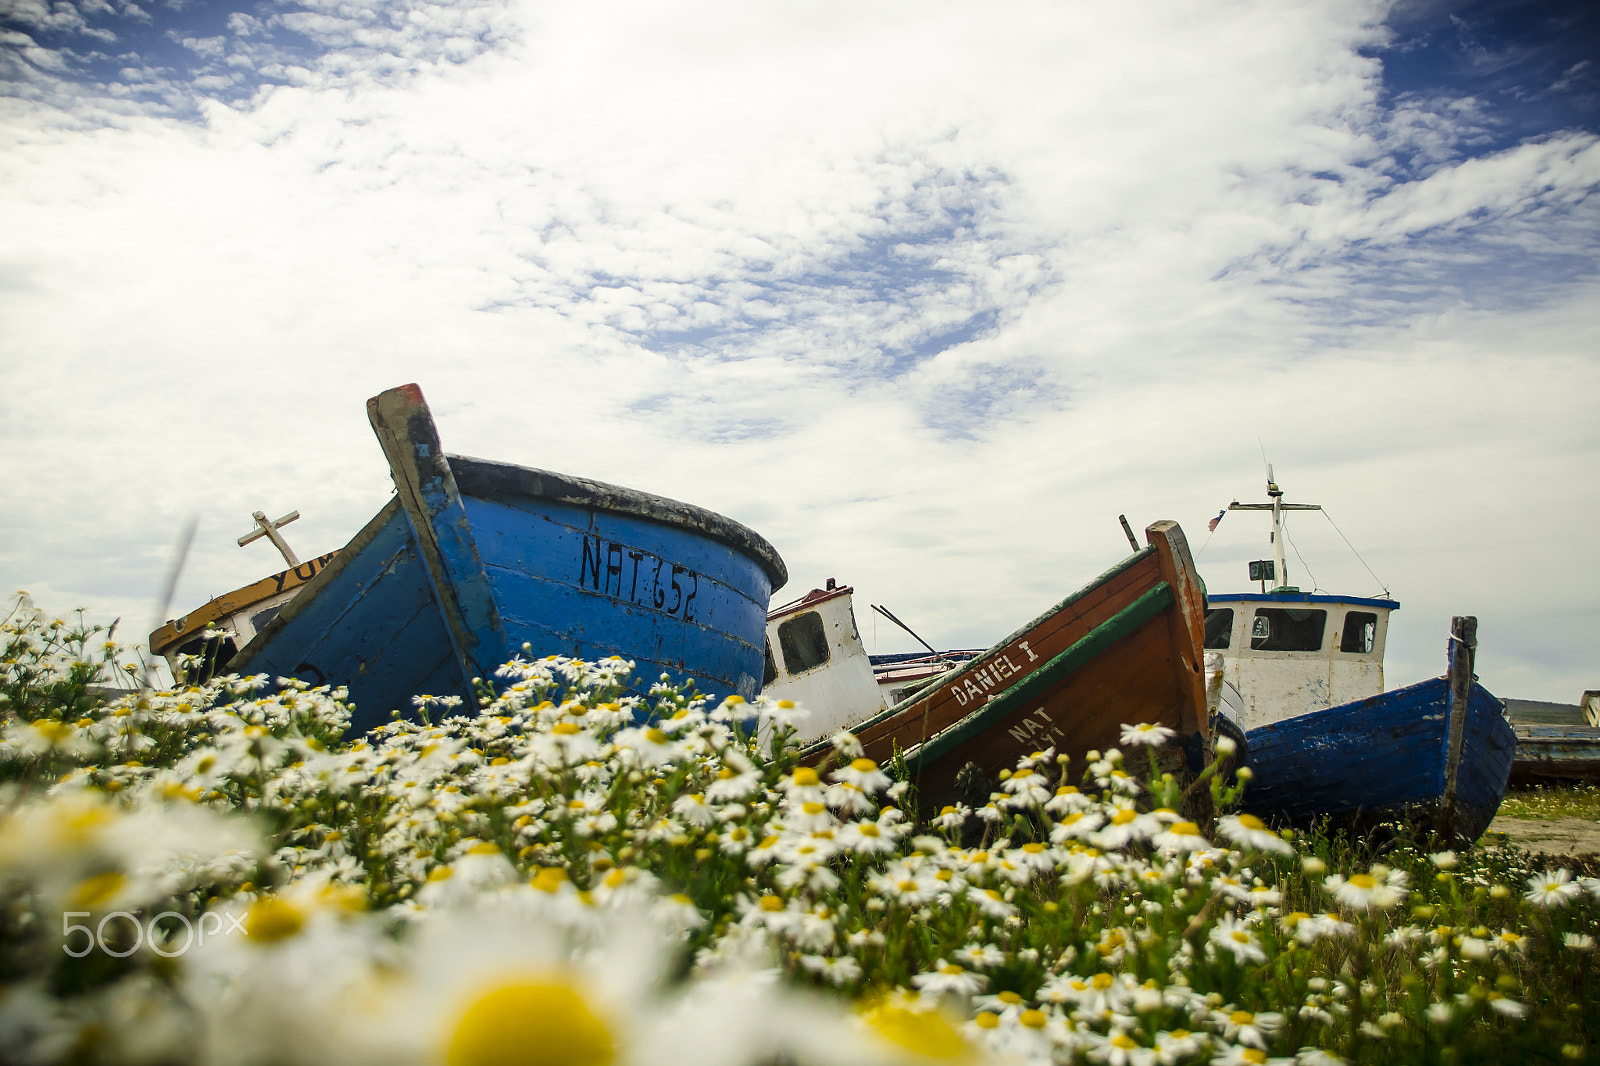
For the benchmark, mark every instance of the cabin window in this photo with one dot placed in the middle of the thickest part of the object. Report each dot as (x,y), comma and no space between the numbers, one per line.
(1360,632)
(259,620)
(771,673)
(804,642)
(1287,629)
(1219,627)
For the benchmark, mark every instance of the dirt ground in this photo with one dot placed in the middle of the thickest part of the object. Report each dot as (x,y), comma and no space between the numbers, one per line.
(1553,836)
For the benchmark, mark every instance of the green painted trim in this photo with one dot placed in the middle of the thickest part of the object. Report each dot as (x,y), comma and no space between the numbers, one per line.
(1122,624)
(823,744)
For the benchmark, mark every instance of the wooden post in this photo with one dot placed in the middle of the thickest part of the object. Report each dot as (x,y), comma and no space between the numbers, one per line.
(1462,651)
(1127,531)
(1187,622)
(427,491)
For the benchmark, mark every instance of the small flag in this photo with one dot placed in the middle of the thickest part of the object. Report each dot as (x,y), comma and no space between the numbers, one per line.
(1212,525)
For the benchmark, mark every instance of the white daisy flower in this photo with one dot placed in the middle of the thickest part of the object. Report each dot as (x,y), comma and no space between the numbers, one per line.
(1146,733)
(1235,936)
(1555,889)
(1248,831)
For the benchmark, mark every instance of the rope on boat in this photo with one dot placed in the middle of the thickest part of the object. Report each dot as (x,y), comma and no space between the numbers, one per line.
(1381,582)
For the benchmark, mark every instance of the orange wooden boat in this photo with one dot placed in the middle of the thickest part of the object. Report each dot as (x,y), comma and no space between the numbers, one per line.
(1127,648)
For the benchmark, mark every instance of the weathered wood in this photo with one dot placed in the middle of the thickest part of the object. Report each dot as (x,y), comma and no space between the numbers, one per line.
(1121,650)
(1462,650)
(1034,686)
(1127,531)
(1188,618)
(269,530)
(572,567)
(427,491)
(1383,758)
(941,705)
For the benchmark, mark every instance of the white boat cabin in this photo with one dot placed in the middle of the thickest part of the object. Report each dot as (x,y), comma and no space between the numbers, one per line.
(1290,652)
(815,658)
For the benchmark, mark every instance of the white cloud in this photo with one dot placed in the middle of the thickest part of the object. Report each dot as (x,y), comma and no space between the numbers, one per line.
(926,294)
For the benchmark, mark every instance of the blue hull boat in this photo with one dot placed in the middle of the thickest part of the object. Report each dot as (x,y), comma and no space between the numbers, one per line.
(474,562)
(1434,755)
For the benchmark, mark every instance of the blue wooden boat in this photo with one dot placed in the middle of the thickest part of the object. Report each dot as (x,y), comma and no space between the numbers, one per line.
(1557,743)
(1435,755)
(473,562)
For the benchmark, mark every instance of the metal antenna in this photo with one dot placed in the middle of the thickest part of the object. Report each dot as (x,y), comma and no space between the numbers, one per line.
(890,616)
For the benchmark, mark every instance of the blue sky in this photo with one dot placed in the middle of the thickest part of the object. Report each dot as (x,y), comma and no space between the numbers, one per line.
(927,295)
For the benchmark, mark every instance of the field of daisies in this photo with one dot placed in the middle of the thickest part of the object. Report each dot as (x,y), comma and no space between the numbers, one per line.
(580,876)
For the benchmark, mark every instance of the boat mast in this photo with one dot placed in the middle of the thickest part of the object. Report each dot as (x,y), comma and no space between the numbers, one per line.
(1277,507)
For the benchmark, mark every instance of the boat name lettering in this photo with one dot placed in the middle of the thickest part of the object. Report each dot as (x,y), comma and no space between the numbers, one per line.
(1027,728)
(305,572)
(633,574)
(980,683)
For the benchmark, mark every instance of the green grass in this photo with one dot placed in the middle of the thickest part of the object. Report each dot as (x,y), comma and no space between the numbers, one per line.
(1553,801)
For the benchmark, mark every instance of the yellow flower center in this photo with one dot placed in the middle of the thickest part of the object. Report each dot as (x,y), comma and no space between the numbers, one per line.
(1242,1017)
(54,732)
(987,1019)
(1123,817)
(565,729)
(1185,829)
(813,807)
(549,878)
(1124,1041)
(926,1033)
(1009,997)
(540,1022)
(655,736)
(271,919)
(805,777)
(1363,881)
(863,766)
(94,891)
(1101,981)
(771,904)
(1250,821)
(1032,1019)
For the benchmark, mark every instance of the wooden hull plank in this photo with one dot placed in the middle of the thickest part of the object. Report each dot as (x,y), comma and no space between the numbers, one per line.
(426,489)
(1034,686)
(474,560)
(1382,757)
(1125,648)
(941,706)
(368,622)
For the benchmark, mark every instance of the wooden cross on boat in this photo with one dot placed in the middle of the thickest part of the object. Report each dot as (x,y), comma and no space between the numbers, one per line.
(270,531)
